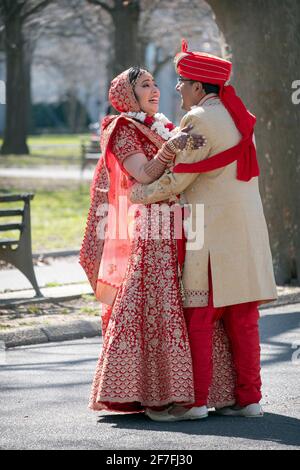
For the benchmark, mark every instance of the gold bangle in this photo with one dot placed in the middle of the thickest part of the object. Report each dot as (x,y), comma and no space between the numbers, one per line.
(172,146)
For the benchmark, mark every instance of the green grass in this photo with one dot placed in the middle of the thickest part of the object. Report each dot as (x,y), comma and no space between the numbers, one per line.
(33,310)
(52,284)
(56,139)
(35,161)
(57,218)
(48,150)
(64,311)
(91,311)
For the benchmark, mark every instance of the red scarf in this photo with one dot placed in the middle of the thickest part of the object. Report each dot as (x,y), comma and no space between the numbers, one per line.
(244,152)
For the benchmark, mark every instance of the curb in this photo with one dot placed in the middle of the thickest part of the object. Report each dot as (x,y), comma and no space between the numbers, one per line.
(39,300)
(80,329)
(77,329)
(56,254)
(287,299)
(50,294)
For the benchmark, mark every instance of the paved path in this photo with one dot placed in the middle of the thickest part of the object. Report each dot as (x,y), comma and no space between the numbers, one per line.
(45,388)
(61,271)
(58,172)
(62,277)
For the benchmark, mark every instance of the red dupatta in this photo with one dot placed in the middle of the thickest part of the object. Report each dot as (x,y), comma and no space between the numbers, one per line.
(104,257)
(106,244)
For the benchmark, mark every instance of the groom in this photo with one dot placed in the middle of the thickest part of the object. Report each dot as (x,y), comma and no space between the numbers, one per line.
(232,273)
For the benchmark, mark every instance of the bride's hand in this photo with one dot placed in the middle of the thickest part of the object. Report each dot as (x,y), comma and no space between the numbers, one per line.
(182,140)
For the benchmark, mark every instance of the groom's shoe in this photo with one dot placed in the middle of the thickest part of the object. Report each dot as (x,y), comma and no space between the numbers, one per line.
(157,415)
(251,411)
(178,413)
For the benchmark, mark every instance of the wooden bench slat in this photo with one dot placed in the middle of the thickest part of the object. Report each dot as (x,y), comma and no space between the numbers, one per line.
(6,227)
(91,157)
(18,252)
(16,197)
(8,241)
(10,212)
(92,149)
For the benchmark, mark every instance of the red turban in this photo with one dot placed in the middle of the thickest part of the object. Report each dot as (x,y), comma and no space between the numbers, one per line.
(202,67)
(207,68)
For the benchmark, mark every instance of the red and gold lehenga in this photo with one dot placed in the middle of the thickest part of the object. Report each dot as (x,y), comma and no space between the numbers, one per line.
(145,360)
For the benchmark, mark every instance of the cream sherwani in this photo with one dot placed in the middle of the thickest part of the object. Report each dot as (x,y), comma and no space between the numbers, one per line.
(235,232)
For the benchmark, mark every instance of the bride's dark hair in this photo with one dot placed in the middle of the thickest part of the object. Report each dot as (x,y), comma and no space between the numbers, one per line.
(134,73)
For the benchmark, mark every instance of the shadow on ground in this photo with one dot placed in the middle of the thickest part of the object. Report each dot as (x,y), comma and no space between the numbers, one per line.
(272,428)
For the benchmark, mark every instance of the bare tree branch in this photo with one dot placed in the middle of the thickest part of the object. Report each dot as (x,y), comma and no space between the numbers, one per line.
(36,8)
(101,4)
(8,10)
(159,65)
(98,21)
(148,12)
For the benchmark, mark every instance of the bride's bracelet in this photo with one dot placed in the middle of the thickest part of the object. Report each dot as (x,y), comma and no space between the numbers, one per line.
(172,147)
(165,155)
(154,168)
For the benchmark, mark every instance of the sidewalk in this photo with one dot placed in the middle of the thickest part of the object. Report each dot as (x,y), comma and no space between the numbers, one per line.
(68,309)
(58,172)
(59,278)
(49,271)
(25,319)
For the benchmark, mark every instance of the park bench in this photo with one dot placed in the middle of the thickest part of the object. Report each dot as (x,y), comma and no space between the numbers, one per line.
(18,251)
(90,153)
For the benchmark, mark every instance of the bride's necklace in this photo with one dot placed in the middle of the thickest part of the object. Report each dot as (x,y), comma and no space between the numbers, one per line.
(158,123)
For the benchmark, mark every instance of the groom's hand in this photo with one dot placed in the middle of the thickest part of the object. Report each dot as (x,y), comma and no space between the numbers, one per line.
(187,128)
(183,140)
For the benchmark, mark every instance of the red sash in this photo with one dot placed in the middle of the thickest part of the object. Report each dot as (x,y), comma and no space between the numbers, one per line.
(244,152)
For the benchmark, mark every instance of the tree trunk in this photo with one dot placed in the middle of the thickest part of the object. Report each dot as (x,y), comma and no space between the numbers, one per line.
(17,89)
(72,108)
(28,57)
(263,37)
(126,42)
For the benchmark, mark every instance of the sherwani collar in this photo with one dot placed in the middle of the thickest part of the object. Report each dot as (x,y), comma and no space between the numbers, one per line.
(206,98)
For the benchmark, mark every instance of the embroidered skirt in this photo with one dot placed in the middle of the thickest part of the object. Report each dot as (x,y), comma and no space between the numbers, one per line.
(146,358)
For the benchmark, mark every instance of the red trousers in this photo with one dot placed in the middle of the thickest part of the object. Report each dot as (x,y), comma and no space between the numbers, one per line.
(241,325)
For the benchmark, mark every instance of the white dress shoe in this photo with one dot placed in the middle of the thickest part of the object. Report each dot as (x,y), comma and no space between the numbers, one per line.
(251,411)
(155,415)
(178,413)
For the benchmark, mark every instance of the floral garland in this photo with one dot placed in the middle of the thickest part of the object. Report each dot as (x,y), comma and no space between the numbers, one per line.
(158,123)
